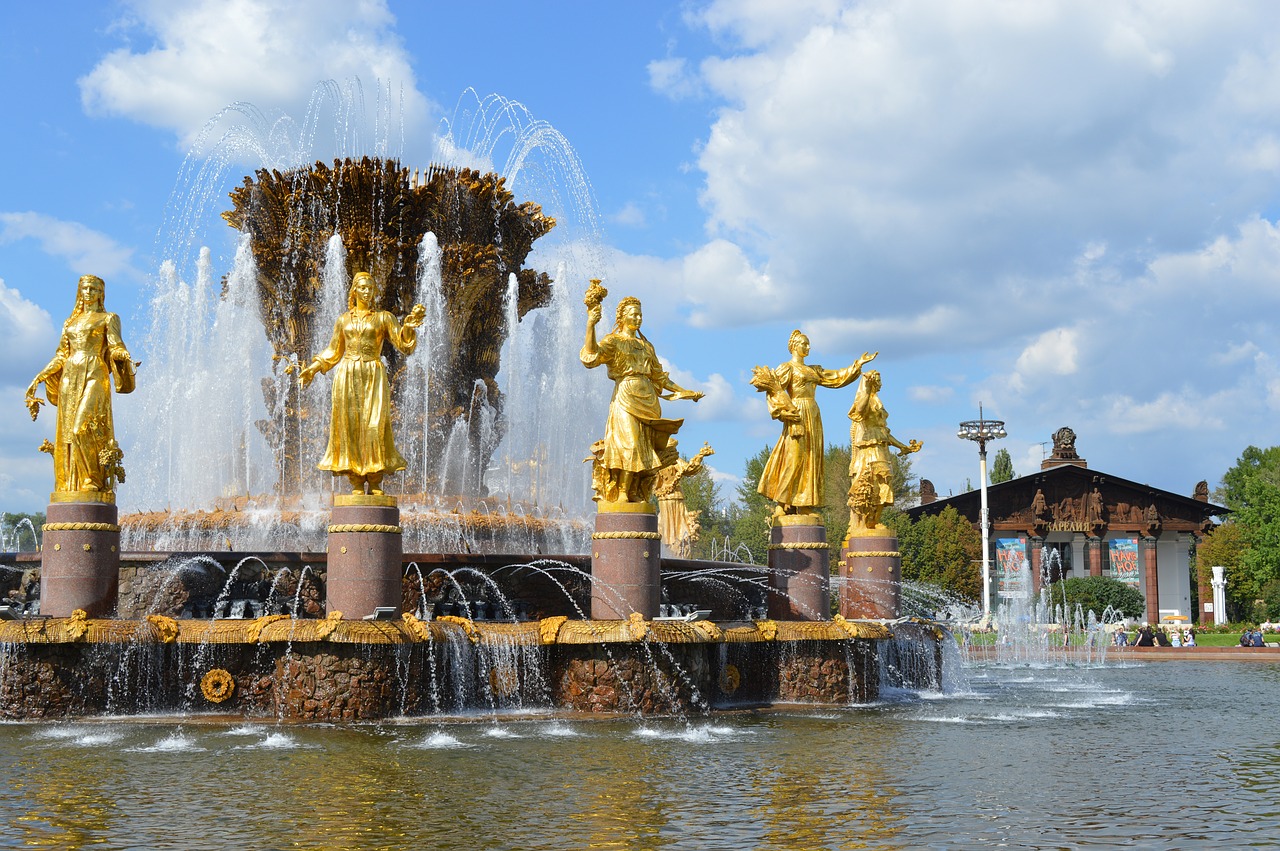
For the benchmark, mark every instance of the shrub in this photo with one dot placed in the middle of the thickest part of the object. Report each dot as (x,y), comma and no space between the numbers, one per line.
(1096,593)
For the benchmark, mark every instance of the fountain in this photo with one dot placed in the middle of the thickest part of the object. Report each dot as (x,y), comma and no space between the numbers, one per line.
(249,586)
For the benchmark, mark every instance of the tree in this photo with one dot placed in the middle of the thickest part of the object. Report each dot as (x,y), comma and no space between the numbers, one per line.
(16,535)
(1225,547)
(942,549)
(1096,594)
(1002,468)
(702,494)
(1250,550)
(751,527)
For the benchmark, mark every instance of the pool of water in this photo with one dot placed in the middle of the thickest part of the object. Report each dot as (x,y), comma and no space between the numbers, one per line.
(1028,756)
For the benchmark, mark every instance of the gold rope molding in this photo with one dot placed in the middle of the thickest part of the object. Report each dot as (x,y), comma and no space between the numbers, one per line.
(799,545)
(873,554)
(80,527)
(616,536)
(363,527)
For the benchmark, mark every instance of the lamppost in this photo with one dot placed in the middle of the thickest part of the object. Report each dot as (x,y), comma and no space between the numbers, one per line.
(980,431)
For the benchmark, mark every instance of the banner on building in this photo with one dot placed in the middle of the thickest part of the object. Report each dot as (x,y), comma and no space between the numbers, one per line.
(1013,573)
(1124,560)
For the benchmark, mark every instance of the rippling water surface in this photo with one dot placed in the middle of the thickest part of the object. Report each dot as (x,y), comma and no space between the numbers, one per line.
(1160,755)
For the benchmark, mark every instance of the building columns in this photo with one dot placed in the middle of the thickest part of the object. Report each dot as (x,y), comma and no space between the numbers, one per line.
(1151,570)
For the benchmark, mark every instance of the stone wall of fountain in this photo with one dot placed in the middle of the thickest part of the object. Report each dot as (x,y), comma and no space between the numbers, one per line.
(331,670)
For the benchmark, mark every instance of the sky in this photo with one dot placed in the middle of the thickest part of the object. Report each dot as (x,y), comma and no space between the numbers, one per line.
(1063,211)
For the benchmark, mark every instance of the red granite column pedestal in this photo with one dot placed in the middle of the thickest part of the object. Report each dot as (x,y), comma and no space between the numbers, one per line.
(625,562)
(80,559)
(1035,556)
(365,556)
(871,568)
(799,569)
(1152,586)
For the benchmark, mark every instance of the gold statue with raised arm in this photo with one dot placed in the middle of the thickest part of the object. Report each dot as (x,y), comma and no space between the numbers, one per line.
(86,458)
(361,446)
(870,468)
(793,475)
(638,441)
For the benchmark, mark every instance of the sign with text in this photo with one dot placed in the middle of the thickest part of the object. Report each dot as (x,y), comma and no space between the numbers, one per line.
(1124,560)
(1013,573)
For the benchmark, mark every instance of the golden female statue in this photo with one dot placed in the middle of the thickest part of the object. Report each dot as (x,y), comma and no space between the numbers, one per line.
(86,457)
(361,446)
(677,525)
(793,475)
(637,440)
(870,468)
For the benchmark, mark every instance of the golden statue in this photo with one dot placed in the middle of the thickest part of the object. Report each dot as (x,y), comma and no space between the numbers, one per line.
(637,440)
(793,475)
(86,457)
(870,469)
(360,440)
(677,525)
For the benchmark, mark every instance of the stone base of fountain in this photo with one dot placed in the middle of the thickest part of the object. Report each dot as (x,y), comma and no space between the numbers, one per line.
(365,553)
(626,561)
(340,670)
(799,573)
(81,565)
(871,570)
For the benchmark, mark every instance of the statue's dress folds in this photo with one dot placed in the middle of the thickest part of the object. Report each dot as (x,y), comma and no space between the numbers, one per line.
(635,433)
(360,439)
(793,475)
(81,373)
(870,441)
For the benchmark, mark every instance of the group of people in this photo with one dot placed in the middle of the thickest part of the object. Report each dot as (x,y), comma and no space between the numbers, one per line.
(1149,636)
(1252,638)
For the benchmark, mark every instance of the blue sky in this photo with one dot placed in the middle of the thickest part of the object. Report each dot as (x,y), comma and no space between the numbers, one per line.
(1064,210)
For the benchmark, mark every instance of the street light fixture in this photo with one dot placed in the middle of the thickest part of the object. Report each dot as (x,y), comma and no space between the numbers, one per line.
(980,431)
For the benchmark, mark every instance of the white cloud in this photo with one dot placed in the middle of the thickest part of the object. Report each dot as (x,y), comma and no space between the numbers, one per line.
(1184,410)
(27,337)
(673,78)
(86,251)
(205,55)
(630,216)
(726,289)
(931,395)
(1053,353)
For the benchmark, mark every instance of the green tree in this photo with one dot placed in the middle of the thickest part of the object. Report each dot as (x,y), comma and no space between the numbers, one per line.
(702,494)
(1251,489)
(1097,593)
(1225,546)
(1251,464)
(751,527)
(942,549)
(1002,468)
(17,536)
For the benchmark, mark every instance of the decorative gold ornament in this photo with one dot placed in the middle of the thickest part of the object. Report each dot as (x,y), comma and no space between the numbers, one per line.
(638,442)
(730,679)
(637,626)
(217,685)
(870,470)
(166,627)
(361,446)
(326,627)
(419,630)
(77,381)
(793,475)
(768,629)
(549,628)
(468,626)
(77,624)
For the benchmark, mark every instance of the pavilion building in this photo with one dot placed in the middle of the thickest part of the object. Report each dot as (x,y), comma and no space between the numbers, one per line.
(1068,520)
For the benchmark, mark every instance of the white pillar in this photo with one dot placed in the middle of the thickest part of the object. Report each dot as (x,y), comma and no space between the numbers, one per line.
(1219,596)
